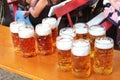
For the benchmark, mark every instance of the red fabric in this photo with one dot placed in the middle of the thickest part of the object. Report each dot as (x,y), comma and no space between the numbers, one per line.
(69,7)
(70,20)
(107,24)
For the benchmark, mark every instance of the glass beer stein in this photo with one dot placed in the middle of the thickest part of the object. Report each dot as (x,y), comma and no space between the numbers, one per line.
(27,41)
(64,45)
(44,39)
(103,55)
(95,31)
(68,31)
(53,24)
(81,30)
(14,33)
(81,61)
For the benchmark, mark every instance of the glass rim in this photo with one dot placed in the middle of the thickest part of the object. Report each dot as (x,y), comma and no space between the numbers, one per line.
(102,42)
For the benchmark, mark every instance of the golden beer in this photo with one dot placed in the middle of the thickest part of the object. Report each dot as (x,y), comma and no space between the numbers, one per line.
(95,31)
(81,30)
(14,26)
(103,55)
(81,61)
(53,24)
(44,39)
(27,41)
(54,35)
(68,31)
(64,53)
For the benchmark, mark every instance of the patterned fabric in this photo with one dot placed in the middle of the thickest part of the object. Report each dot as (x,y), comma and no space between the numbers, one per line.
(111,13)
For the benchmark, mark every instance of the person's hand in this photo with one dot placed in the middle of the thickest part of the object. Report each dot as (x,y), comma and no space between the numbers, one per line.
(26,14)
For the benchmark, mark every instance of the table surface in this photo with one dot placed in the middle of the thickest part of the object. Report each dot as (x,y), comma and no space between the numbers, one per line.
(42,67)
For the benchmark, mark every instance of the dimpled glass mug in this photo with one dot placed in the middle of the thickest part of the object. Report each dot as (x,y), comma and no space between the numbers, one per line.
(103,55)
(81,61)
(95,31)
(64,44)
(27,41)
(54,26)
(81,30)
(44,39)
(14,26)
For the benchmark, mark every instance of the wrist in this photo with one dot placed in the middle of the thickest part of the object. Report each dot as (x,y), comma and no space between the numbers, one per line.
(31,8)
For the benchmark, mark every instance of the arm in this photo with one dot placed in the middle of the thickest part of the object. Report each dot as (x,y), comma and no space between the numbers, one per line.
(35,11)
(33,3)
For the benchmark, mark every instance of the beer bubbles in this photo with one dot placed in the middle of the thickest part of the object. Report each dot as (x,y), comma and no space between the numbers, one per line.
(44,39)
(14,26)
(27,41)
(81,61)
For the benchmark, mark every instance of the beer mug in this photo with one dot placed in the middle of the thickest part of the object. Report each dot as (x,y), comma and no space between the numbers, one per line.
(95,31)
(14,33)
(44,39)
(53,24)
(64,45)
(68,31)
(103,55)
(81,30)
(27,41)
(81,61)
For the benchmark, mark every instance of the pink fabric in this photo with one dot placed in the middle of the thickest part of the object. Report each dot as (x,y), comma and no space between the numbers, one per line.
(108,10)
(114,17)
(118,0)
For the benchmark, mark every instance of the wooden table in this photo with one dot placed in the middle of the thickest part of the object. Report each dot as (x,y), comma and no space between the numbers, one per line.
(42,67)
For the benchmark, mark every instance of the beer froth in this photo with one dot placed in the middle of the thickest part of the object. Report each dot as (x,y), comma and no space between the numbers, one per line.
(81,28)
(67,31)
(64,44)
(15,25)
(26,33)
(97,31)
(81,48)
(103,43)
(51,21)
(43,29)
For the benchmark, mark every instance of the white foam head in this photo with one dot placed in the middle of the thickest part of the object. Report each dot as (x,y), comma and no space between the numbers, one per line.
(81,47)
(15,25)
(104,43)
(68,31)
(43,29)
(51,21)
(97,30)
(26,32)
(67,36)
(63,43)
(81,28)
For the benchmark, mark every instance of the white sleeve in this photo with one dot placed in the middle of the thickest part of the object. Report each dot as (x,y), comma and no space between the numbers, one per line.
(105,2)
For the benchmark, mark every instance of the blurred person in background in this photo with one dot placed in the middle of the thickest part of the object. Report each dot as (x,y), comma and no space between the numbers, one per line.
(38,9)
(112,13)
(5,15)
